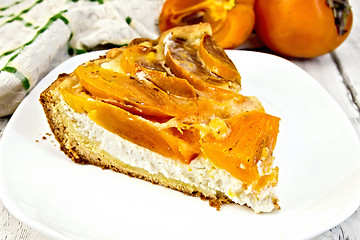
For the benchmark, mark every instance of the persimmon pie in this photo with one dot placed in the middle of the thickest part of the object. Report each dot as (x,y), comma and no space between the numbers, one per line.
(169,111)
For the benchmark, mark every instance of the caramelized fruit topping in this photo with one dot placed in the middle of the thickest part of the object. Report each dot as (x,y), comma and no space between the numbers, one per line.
(178,96)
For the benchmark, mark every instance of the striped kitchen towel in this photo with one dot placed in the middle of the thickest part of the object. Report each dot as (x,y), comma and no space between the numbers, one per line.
(37,35)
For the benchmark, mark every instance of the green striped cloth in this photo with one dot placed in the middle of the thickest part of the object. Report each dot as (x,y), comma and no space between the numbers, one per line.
(36,35)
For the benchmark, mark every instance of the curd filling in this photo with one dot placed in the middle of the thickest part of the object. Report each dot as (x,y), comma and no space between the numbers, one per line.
(200,172)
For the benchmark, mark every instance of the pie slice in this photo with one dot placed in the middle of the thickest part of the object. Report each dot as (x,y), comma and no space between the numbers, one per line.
(169,111)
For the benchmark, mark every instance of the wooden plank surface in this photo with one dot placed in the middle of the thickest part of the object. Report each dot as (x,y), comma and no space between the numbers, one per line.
(338,73)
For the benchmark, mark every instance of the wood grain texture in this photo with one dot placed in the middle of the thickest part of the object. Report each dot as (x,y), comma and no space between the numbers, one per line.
(347,56)
(11,228)
(326,72)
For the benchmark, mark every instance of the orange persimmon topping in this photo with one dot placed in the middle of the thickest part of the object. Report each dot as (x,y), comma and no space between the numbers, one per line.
(239,153)
(142,60)
(193,63)
(140,95)
(215,58)
(179,98)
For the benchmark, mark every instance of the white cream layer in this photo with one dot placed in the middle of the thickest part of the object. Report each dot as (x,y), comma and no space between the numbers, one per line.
(200,172)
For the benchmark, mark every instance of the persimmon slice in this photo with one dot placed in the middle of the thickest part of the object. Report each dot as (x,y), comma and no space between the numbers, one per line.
(251,133)
(184,62)
(133,128)
(216,60)
(171,85)
(232,21)
(138,55)
(237,26)
(188,12)
(128,90)
(139,60)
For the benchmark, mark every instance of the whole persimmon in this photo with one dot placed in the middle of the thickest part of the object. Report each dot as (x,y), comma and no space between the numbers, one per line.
(232,21)
(303,28)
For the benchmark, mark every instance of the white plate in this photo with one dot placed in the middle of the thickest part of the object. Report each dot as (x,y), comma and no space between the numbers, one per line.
(317,151)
